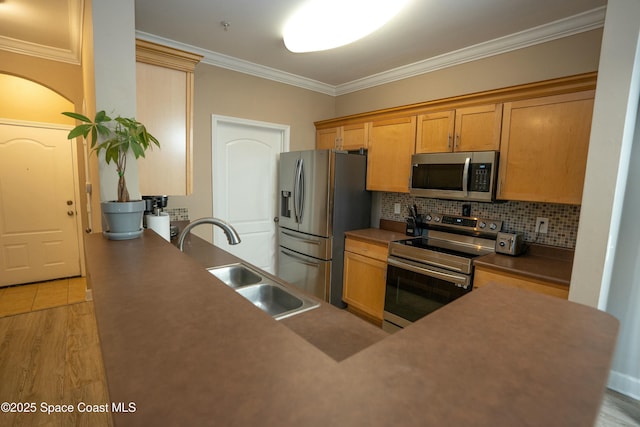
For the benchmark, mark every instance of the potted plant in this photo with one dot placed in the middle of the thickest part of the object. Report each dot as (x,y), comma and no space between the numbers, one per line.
(117,137)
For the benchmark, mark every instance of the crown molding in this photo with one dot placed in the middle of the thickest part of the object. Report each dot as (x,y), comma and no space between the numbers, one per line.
(242,66)
(572,25)
(586,21)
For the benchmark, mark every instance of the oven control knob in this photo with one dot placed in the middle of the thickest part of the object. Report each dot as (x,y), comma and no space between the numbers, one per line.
(436,219)
(428,217)
(493,226)
(482,224)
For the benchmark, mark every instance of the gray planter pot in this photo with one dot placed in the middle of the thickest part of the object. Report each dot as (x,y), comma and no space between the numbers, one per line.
(124,219)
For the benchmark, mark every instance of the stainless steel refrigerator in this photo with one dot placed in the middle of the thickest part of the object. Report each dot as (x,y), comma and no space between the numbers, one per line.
(322,195)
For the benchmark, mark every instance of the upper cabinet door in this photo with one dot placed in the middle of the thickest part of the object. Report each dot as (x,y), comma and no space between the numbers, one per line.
(435,132)
(391,144)
(348,137)
(164,94)
(478,128)
(544,146)
(354,137)
(463,129)
(327,139)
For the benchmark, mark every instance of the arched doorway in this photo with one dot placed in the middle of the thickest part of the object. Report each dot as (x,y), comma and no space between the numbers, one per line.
(40,232)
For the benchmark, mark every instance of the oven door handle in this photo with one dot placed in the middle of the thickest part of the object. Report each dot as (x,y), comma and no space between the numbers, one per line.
(436,264)
(433,273)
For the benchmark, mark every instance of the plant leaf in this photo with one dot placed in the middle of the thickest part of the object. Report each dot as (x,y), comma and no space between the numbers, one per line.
(138,151)
(102,117)
(80,130)
(77,116)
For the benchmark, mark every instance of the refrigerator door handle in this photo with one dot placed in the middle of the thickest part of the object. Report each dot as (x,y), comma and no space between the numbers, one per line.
(301,184)
(312,242)
(299,259)
(296,191)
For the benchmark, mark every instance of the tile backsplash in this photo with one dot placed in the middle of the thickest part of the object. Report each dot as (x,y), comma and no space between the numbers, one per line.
(517,217)
(178,214)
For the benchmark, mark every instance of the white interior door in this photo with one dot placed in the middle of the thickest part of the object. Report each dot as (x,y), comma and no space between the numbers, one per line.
(38,218)
(245,175)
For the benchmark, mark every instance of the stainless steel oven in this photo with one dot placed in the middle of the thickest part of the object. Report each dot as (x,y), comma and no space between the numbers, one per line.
(430,271)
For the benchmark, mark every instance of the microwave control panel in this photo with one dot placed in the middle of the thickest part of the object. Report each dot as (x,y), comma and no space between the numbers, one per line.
(480,177)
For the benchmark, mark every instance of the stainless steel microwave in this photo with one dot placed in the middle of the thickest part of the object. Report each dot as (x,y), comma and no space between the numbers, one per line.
(468,176)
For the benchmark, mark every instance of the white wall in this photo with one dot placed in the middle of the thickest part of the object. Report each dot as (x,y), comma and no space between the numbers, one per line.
(624,293)
(605,272)
(115,78)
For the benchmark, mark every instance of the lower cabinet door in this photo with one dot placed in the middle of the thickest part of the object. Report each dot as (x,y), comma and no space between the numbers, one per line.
(364,283)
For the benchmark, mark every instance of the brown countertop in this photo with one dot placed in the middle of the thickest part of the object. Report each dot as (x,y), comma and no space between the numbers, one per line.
(376,235)
(337,333)
(189,351)
(541,262)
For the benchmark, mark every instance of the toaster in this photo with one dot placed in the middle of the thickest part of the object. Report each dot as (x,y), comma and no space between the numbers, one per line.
(510,243)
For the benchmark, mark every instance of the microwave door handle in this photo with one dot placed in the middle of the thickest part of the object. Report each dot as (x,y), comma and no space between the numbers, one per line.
(465,176)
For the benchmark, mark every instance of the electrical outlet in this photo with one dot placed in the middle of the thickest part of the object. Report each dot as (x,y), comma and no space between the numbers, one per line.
(396,208)
(542,225)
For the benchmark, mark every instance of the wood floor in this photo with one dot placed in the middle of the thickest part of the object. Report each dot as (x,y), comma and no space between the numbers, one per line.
(619,410)
(53,356)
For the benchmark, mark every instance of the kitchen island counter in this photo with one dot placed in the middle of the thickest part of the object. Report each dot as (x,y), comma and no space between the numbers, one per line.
(188,350)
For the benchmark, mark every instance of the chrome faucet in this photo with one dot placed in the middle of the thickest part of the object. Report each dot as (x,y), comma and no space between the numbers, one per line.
(232,235)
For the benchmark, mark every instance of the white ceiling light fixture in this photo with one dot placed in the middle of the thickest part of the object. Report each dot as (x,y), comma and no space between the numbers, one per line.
(326,24)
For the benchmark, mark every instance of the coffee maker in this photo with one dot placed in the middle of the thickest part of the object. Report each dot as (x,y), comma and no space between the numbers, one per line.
(154,205)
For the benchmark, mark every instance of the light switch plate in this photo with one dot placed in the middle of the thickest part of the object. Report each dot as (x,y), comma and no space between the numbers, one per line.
(396,208)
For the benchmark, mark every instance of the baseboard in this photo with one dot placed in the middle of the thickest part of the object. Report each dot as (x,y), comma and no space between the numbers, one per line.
(625,384)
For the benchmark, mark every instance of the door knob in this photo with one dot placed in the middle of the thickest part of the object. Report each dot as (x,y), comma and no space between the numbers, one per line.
(70,213)
(276,219)
(69,202)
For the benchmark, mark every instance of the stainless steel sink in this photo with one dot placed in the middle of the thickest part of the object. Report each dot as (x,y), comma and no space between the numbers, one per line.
(271,297)
(276,300)
(236,275)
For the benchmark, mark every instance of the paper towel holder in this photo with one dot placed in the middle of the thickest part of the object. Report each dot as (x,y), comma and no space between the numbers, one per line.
(154,205)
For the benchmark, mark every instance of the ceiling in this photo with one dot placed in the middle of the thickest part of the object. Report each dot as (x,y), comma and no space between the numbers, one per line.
(427,35)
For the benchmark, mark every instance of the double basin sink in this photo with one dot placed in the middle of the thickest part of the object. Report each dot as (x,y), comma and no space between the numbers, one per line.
(264,293)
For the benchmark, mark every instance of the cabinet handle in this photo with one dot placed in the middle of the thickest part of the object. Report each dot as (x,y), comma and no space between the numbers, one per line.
(449,141)
(458,140)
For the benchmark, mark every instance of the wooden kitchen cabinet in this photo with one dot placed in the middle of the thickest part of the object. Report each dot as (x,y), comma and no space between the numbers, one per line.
(164,94)
(365,270)
(349,137)
(474,128)
(435,132)
(327,139)
(391,145)
(484,275)
(543,153)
